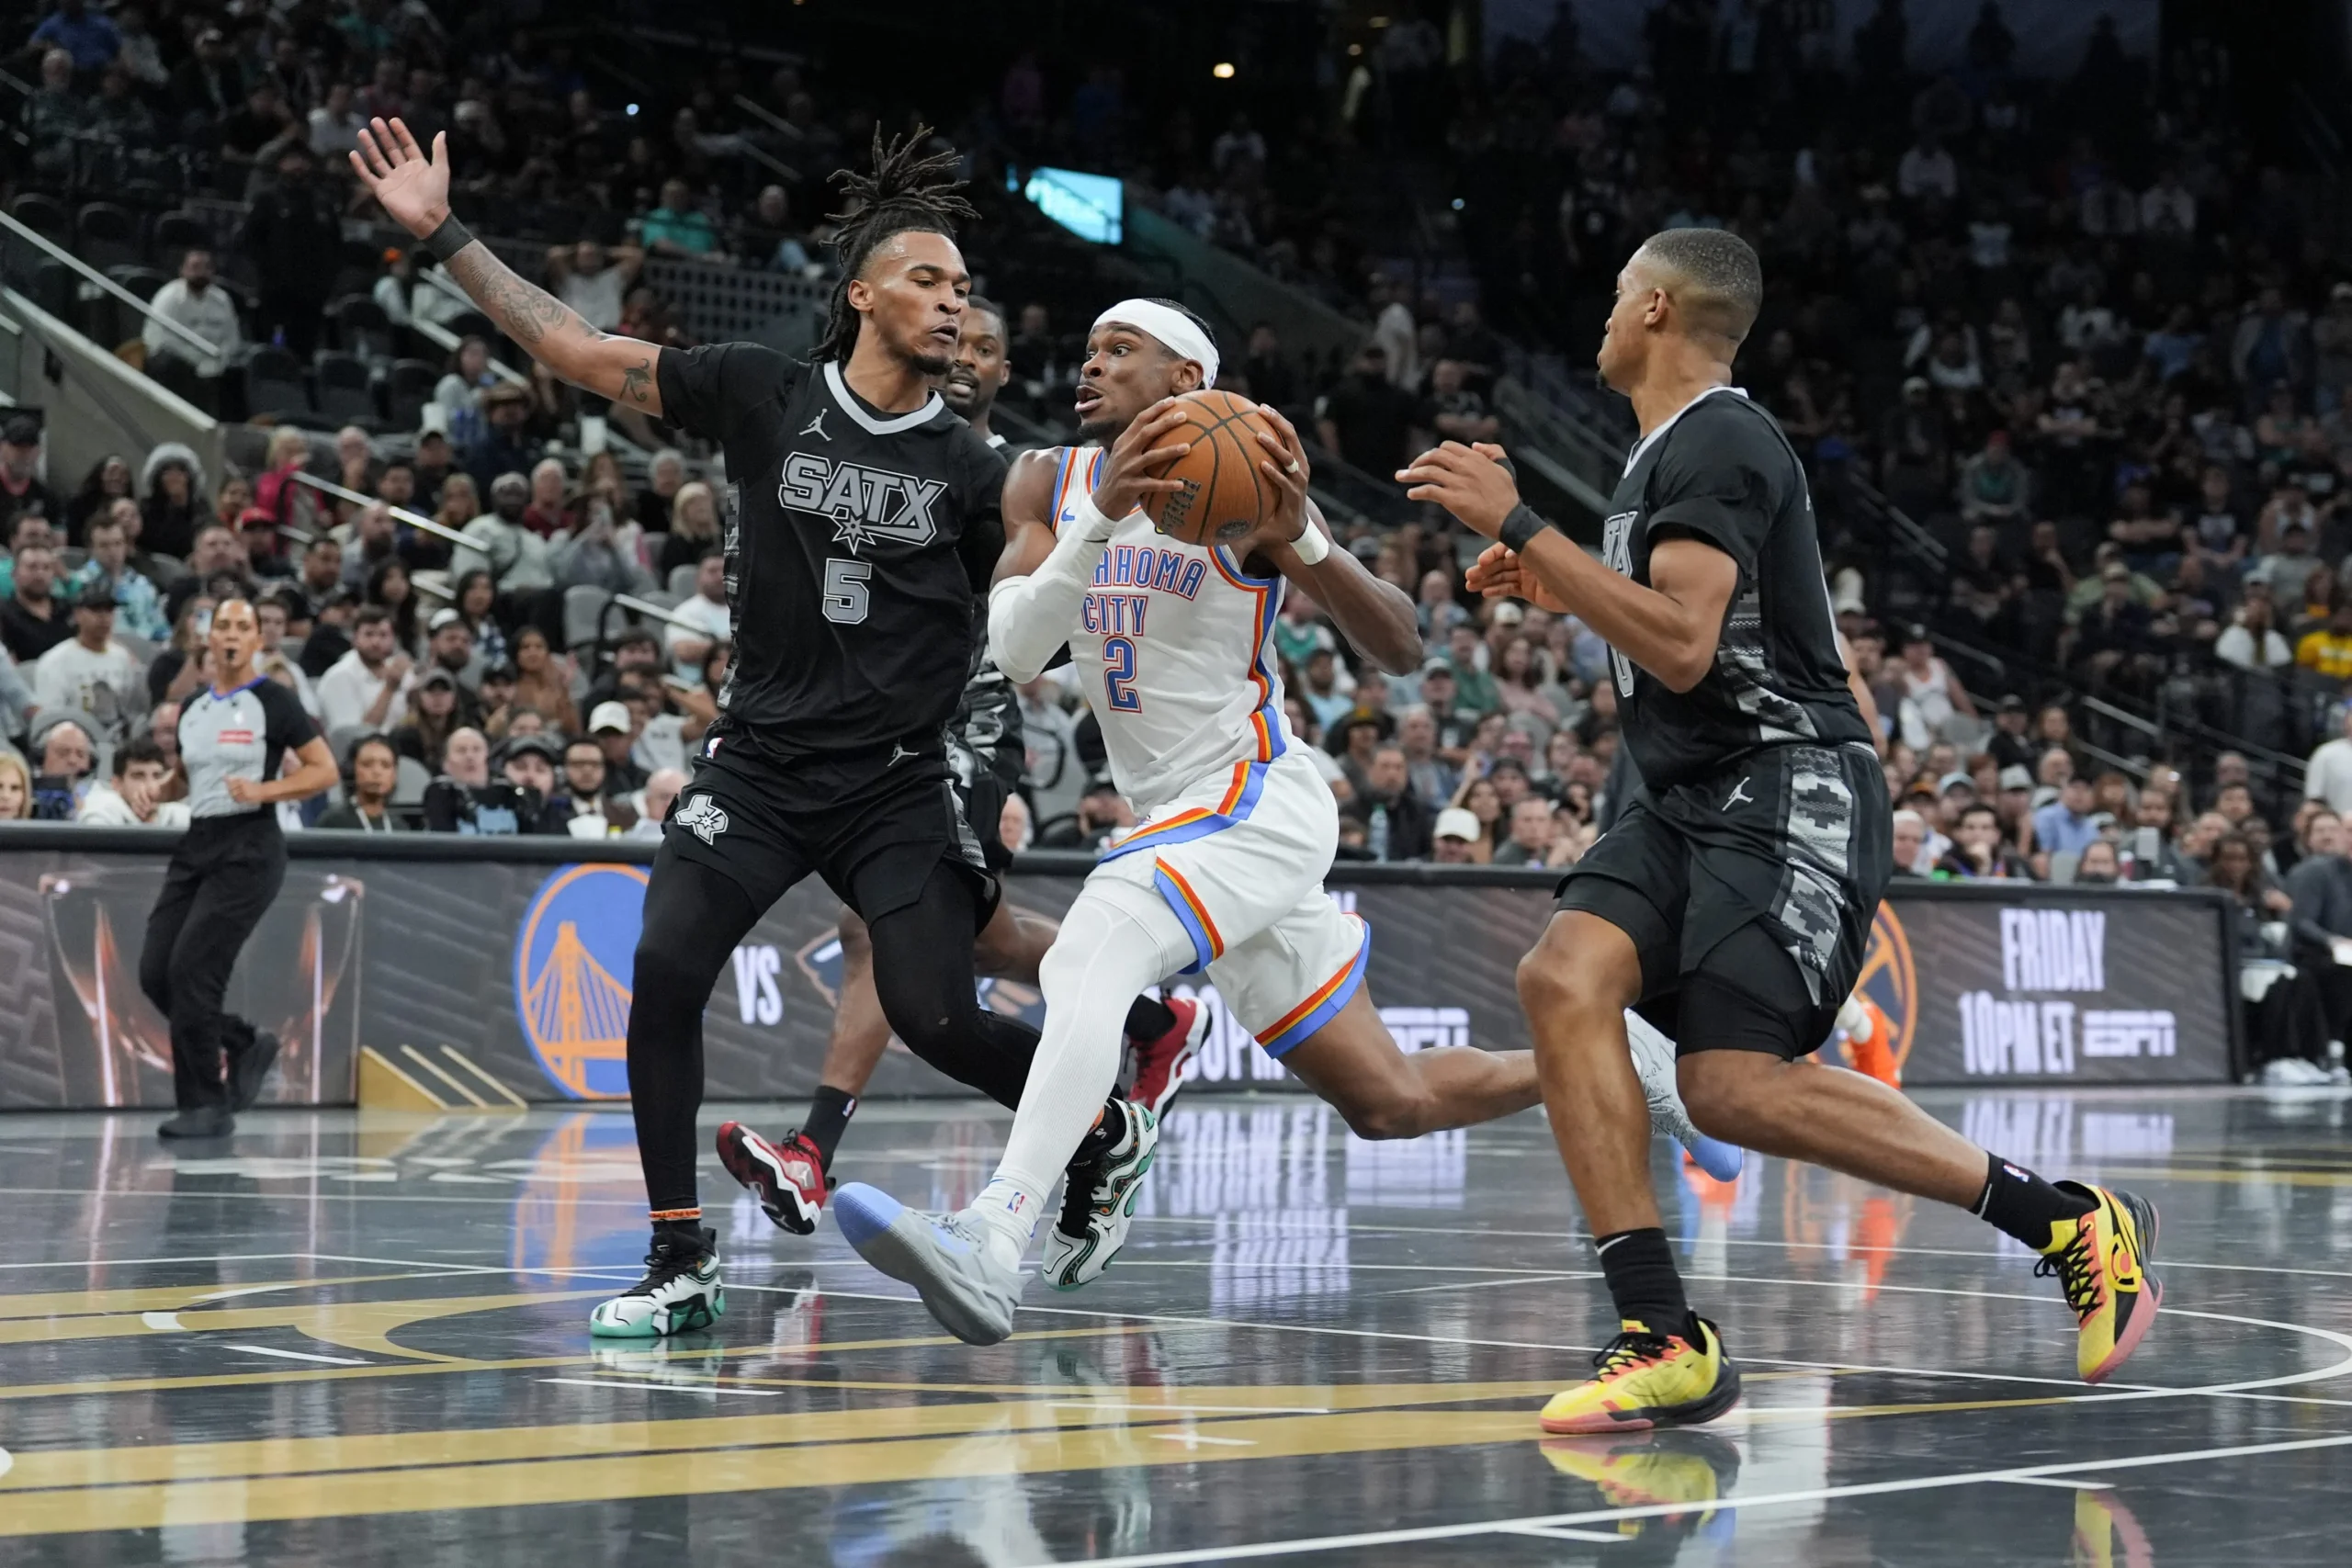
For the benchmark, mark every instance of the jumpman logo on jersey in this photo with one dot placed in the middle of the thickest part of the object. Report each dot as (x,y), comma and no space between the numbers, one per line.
(1739,793)
(898,753)
(816,426)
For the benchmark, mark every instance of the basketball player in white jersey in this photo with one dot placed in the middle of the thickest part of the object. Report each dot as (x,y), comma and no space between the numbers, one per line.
(1173,646)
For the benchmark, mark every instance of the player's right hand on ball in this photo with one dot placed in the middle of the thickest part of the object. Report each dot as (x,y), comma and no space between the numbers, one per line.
(1131,471)
(412,189)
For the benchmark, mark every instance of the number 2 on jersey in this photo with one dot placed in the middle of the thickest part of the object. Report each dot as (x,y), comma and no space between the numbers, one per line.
(1118,671)
(846,595)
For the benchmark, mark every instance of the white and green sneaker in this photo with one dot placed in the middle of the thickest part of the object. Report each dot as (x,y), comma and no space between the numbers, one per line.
(681,1291)
(1099,1203)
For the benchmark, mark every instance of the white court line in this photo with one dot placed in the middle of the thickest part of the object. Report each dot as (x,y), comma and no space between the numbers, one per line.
(1558,1532)
(665,1387)
(298,1356)
(1660,1510)
(2059,1481)
(1194,1439)
(163,1322)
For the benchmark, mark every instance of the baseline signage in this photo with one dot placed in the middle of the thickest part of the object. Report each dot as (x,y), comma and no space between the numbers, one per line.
(521,955)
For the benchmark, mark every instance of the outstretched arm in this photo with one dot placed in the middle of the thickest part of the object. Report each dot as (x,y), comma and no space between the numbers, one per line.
(413,188)
(1376,617)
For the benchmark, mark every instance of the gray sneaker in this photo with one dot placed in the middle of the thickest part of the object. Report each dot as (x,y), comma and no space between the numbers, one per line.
(958,1262)
(1654,1060)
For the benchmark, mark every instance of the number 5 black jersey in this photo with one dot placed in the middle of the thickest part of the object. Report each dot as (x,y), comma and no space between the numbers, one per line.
(860,544)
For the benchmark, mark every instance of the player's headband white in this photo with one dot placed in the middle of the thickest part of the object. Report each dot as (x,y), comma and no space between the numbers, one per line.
(1177,331)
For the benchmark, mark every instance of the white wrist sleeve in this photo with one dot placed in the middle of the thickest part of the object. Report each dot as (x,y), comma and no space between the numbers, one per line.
(1030,617)
(1311,546)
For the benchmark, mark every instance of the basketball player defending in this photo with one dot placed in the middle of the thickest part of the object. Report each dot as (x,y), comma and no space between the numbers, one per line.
(1173,646)
(869,516)
(1739,887)
(985,760)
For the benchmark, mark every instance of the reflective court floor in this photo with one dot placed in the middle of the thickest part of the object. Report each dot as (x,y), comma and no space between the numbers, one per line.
(348,1342)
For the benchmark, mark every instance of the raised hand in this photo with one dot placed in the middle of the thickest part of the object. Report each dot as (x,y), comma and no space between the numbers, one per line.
(1498,573)
(1474,485)
(1131,471)
(1283,462)
(411,187)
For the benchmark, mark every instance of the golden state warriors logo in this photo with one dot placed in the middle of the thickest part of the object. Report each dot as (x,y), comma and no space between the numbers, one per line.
(1889,980)
(574,962)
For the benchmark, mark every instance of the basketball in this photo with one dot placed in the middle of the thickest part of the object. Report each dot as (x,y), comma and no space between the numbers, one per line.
(1225,495)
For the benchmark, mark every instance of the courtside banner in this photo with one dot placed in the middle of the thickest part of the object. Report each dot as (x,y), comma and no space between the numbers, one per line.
(519,952)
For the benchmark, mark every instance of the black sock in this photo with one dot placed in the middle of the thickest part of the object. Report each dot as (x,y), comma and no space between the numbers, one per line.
(828,1113)
(2020,1202)
(684,1226)
(1104,1135)
(1643,1279)
(1150,1019)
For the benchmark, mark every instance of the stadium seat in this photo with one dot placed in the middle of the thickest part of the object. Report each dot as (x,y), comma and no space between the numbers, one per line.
(274,385)
(107,236)
(583,610)
(177,234)
(407,390)
(408,786)
(57,288)
(341,740)
(43,213)
(682,581)
(362,327)
(347,393)
(70,558)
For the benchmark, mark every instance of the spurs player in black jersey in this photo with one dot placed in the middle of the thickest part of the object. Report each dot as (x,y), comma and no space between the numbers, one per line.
(986,760)
(868,523)
(1738,889)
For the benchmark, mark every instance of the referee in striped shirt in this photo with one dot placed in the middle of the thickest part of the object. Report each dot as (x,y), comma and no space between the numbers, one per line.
(234,736)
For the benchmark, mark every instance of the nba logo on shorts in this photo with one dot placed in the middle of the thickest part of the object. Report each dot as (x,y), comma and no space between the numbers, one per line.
(702,816)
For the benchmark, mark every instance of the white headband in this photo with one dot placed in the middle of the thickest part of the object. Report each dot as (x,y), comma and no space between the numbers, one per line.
(1176,331)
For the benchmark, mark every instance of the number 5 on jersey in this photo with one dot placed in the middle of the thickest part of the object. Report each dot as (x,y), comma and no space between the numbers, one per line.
(845,592)
(1119,674)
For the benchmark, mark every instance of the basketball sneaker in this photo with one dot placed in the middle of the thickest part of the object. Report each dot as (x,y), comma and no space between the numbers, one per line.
(2101,1262)
(1099,1203)
(1159,1064)
(1643,1379)
(967,1270)
(788,1179)
(1654,1060)
(681,1291)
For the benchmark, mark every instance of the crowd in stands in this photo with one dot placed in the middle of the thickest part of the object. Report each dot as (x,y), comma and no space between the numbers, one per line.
(2082,331)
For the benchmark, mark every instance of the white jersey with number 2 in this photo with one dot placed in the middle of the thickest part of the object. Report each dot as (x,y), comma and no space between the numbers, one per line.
(1174,649)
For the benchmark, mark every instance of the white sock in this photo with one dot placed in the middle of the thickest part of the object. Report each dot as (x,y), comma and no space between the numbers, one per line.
(1117,940)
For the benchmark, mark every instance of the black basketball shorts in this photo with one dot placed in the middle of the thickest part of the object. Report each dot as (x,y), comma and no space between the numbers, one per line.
(1793,843)
(874,824)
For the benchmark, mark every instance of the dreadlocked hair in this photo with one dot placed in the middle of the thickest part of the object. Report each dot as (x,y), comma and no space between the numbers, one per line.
(908,189)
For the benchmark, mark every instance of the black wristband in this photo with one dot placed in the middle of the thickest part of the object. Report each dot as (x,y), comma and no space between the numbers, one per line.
(1518,529)
(450,238)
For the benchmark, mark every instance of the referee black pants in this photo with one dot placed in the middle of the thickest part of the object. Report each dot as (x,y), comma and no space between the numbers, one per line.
(222,878)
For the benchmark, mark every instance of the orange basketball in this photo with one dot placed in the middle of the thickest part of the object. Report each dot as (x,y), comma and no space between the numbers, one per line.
(1224,496)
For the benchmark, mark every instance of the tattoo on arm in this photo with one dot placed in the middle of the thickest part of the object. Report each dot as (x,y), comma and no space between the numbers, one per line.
(524,311)
(636,381)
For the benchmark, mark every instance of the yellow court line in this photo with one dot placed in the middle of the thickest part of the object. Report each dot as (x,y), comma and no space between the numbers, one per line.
(2175,1173)
(1044,1410)
(54,1305)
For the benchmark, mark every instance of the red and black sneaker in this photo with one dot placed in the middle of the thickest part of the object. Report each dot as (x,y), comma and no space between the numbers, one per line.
(1159,1064)
(788,1177)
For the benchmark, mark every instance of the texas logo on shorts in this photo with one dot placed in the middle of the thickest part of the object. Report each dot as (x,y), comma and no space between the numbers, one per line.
(702,817)
(866,504)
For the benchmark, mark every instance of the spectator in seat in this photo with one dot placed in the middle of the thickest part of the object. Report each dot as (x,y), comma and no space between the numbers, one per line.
(369,538)
(89,41)
(1978,852)
(172,481)
(368,686)
(767,238)
(21,488)
(203,306)
(614,729)
(677,227)
(2252,640)
(1993,486)
(1454,839)
(1367,419)
(710,619)
(693,528)
(369,778)
(1450,410)
(138,608)
(449,645)
(546,515)
(1102,814)
(506,446)
(2327,776)
(593,556)
(432,717)
(32,620)
(15,788)
(2066,824)
(583,792)
(465,799)
(516,556)
(107,481)
(134,797)
(294,238)
(66,760)
(91,675)
(2099,865)
(463,389)
(1532,833)
(54,115)
(594,281)
(664,476)
(529,764)
(2327,651)
(542,682)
